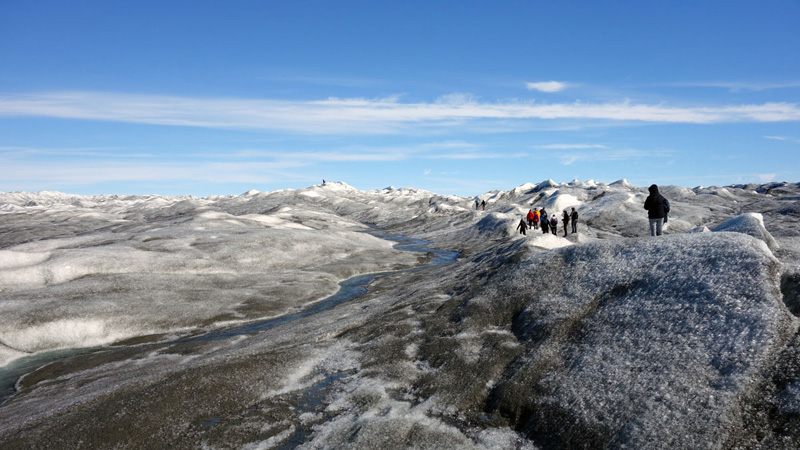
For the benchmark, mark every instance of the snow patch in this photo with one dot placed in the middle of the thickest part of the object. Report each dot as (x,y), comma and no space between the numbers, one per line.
(11,259)
(65,333)
(547,241)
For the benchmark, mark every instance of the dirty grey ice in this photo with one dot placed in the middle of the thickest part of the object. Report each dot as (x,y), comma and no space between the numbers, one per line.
(220,322)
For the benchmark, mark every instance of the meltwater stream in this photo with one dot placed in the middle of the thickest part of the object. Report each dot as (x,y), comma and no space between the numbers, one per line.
(349,289)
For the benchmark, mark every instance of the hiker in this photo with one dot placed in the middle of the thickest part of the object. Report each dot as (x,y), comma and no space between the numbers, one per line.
(553,224)
(477,205)
(536,215)
(483,204)
(657,209)
(545,223)
(522,227)
(574,217)
(565,219)
(530,218)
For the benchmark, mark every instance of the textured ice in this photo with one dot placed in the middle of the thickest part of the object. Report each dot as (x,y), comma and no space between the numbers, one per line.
(634,342)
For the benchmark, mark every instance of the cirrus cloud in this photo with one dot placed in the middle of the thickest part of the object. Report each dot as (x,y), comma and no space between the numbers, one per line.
(366,116)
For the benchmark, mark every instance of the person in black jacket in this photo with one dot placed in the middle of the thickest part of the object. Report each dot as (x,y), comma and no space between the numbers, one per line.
(522,227)
(574,217)
(657,208)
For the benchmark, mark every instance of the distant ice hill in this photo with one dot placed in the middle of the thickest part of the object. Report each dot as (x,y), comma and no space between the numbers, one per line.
(606,338)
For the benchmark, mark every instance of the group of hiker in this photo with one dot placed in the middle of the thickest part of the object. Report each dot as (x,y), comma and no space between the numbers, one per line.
(549,224)
(657,207)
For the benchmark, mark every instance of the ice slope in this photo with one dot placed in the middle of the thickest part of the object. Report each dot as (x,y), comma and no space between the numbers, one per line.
(615,344)
(126,268)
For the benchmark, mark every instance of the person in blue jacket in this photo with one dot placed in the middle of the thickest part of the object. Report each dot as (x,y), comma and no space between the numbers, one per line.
(657,209)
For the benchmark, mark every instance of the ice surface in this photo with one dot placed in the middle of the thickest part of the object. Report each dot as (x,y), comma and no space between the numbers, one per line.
(604,339)
(633,342)
(158,265)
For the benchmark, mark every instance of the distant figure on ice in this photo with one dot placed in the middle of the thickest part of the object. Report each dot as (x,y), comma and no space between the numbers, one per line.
(574,217)
(657,209)
(483,205)
(565,219)
(545,223)
(536,215)
(522,227)
(553,224)
(530,218)
(477,205)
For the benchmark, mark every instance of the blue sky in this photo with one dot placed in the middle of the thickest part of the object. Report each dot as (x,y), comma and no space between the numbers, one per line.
(461,97)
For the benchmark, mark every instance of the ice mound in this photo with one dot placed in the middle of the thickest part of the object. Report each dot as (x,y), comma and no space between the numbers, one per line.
(494,223)
(751,224)
(65,333)
(622,183)
(547,241)
(338,186)
(636,341)
(559,202)
(522,189)
(547,184)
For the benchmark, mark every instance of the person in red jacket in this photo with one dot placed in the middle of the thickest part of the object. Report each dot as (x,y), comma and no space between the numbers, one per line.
(530,218)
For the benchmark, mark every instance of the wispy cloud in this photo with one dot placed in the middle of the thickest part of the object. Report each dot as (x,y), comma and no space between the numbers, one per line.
(477,155)
(736,86)
(365,116)
(79,173)
(443,149)
(783,138)
(547,86)
(105,152)
(568,146)
(766,177)
(388,154)
(606,155)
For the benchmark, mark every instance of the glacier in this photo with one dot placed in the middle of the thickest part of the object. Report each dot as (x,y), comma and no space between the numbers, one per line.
(122,320)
